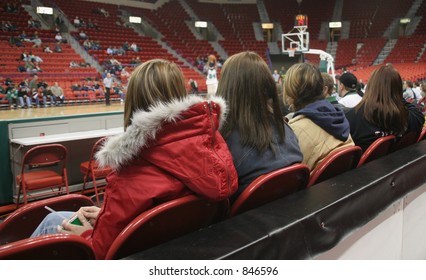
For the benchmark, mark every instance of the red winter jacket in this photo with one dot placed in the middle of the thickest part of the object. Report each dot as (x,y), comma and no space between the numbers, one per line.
(172,150)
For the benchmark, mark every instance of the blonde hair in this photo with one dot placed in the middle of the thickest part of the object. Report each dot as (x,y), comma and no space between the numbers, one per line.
(328,82)
(155,81)
(303,85)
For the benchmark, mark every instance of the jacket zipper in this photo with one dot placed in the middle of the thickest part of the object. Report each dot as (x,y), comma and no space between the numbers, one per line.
(213,142)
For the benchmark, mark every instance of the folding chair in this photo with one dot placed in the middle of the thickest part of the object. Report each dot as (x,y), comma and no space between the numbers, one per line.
(48,247)
(40,171)
(271,186)
(381,147)
(337,162)
(23,221)
(92,170)
(165,222)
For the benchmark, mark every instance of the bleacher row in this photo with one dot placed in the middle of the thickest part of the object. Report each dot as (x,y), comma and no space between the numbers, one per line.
(368,22)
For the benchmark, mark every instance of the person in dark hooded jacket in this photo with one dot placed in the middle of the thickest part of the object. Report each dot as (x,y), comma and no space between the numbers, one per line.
(320,127)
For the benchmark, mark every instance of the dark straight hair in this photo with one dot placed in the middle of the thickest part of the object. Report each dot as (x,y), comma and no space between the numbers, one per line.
(382,103)
(248,87)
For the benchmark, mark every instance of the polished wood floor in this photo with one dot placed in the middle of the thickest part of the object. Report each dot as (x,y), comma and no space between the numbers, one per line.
(65,110)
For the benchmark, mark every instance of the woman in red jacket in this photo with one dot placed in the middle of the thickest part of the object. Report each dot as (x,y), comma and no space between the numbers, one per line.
(170,147)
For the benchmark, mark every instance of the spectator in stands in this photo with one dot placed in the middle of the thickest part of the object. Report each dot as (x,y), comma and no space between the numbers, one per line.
(83,36)
(74,64)
(90,24)
(277,79)
(23,36)
(77,22)
(87,44)
(347,88)
(255,132)
(30,66)
(135,61)
(10,26)
(35,58)
(31,24)
(110,50)
(36,40)
(83,23)
(124,76)
(58,93)
(3,26)
(12,96)
(14,41)
(155,87)
(24,94)
(119,89)
(10,7)
(58,48)
(58,38)
(32,85)
(120,51)
(104,12)
(47,93)
(134,47)
(97,88)
(423,88)
(107,84)
(96,45)
(126,46)
(382,111)
(47,49)
(320,127)
(417,89)
(329,91)
(409,94)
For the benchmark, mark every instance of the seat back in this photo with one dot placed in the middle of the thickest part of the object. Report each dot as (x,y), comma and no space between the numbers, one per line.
(24,220)
(405,141)
(337,162)
(48,247)
(269,187)
(377,149)
(92,161)
(45,155)
(165,222)
(422,135)
(93,171)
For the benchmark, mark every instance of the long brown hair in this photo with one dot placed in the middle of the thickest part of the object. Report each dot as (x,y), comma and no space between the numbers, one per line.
(248,87)
(152,82)
(383,103)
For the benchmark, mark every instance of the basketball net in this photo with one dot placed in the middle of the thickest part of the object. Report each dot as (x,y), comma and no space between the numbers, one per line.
(291,52)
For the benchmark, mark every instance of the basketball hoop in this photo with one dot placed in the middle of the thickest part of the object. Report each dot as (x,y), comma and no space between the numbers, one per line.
(291,52)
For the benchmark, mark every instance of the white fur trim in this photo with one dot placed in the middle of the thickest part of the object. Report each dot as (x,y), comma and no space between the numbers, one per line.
(120,149)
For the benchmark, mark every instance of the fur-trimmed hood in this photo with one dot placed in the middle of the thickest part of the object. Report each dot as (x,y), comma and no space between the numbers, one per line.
(120,149)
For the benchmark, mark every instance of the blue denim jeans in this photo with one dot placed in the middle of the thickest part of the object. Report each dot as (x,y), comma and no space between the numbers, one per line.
(50,223)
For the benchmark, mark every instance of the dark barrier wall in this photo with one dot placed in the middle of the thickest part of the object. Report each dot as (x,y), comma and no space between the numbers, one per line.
(309,222)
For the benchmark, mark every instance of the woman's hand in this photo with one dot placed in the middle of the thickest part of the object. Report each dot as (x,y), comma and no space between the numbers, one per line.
(90,213)
(75,229)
